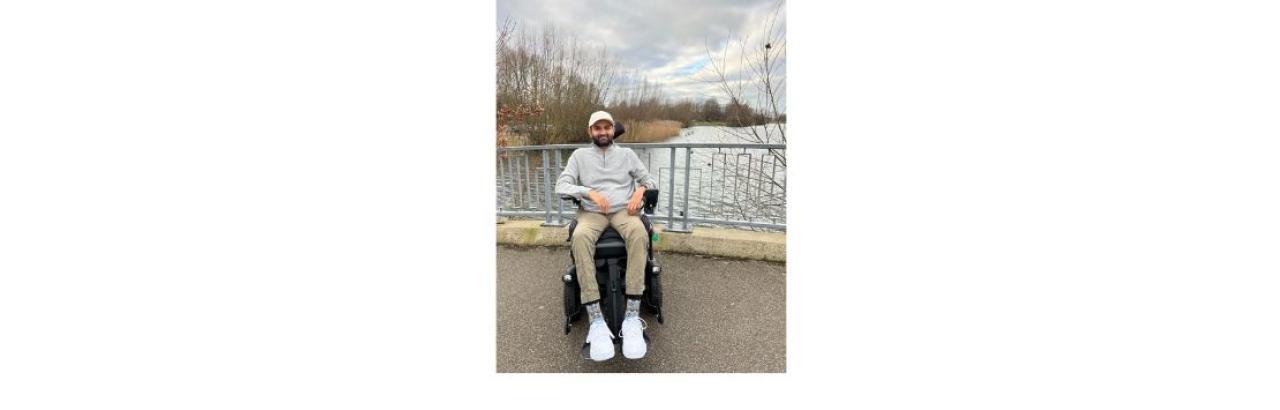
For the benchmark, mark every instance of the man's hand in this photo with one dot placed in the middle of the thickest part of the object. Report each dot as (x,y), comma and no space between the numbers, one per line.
(600,201)
(637,201)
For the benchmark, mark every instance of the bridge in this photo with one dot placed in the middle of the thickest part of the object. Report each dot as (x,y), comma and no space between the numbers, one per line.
(721,225)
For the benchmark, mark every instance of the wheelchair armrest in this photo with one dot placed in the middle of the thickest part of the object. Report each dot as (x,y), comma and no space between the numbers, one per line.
(571,198)
(650,200)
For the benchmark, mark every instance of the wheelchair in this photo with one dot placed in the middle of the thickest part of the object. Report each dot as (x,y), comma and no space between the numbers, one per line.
(611,267)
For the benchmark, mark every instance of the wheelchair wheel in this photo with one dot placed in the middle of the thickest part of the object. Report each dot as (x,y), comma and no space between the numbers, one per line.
(572,293)
(653,298)
(652,288)
(572,306)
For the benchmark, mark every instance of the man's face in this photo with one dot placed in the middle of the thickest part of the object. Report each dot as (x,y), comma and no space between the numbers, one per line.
(601,133)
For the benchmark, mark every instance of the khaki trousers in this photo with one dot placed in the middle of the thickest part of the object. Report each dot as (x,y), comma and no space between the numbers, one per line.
(590,226)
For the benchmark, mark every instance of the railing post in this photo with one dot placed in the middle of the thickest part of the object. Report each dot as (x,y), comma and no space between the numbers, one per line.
(546,186)
(501,184)
(671,196)
(559,202)
(528,183)
(688,170)
(511,183)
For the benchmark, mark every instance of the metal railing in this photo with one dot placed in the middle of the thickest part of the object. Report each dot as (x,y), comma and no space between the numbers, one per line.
(736,185)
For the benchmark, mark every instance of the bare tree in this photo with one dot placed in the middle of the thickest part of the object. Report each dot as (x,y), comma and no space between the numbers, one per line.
(756,81)
(755,89)
(546,83)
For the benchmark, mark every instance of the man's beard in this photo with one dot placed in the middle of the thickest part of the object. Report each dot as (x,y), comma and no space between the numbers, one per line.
(596,140)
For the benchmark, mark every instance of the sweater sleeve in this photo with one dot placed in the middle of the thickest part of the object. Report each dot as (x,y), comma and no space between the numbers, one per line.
(640,173)
(567,183)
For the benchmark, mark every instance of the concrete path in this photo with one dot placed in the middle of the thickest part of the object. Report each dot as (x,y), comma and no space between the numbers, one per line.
(721,316)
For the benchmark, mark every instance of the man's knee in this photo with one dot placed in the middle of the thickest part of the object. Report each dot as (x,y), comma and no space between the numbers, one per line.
(585,236)
(633,231)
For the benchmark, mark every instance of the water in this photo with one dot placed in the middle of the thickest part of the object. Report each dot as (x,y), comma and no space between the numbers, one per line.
(727,184)
(729,135)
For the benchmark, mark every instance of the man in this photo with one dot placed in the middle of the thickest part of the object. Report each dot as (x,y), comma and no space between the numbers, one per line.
(604,178)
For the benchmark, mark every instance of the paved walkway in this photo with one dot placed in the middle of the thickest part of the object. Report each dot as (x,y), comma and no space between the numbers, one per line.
(721,316)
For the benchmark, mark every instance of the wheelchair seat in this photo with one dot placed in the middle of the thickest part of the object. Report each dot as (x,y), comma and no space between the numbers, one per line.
(610,245)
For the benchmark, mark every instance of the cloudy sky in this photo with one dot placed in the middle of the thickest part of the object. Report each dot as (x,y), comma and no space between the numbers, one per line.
(666,40)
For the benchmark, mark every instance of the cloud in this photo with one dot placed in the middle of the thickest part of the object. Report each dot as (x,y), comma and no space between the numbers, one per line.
(665,41)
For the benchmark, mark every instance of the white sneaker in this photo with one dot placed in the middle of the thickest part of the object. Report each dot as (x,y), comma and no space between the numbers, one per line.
(601,341)
(633,345)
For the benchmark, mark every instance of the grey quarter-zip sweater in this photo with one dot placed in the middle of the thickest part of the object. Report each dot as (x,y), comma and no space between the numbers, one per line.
(613,172)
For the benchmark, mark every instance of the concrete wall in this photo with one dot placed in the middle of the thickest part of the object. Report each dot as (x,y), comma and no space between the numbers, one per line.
(732,243)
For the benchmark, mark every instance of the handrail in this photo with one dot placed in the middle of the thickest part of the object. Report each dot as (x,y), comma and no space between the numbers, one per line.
(649,145)
(750,180)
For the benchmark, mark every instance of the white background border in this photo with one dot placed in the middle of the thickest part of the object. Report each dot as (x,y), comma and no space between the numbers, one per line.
(993,204)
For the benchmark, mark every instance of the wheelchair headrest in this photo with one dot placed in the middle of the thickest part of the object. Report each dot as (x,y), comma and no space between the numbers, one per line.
(618,129)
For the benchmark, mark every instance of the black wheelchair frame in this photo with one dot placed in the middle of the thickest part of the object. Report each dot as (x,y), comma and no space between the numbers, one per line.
(611,262)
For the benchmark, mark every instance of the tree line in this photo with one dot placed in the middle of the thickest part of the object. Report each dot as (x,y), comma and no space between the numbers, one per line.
(547,84)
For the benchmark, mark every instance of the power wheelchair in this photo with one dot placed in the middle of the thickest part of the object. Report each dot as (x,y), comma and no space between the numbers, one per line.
(611,264)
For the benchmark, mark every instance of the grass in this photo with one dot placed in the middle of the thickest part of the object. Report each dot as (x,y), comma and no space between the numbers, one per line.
(697,123)
(637,132)
(650,131)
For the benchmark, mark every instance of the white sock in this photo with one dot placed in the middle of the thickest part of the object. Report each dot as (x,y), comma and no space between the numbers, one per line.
(633,307)
(593,312)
